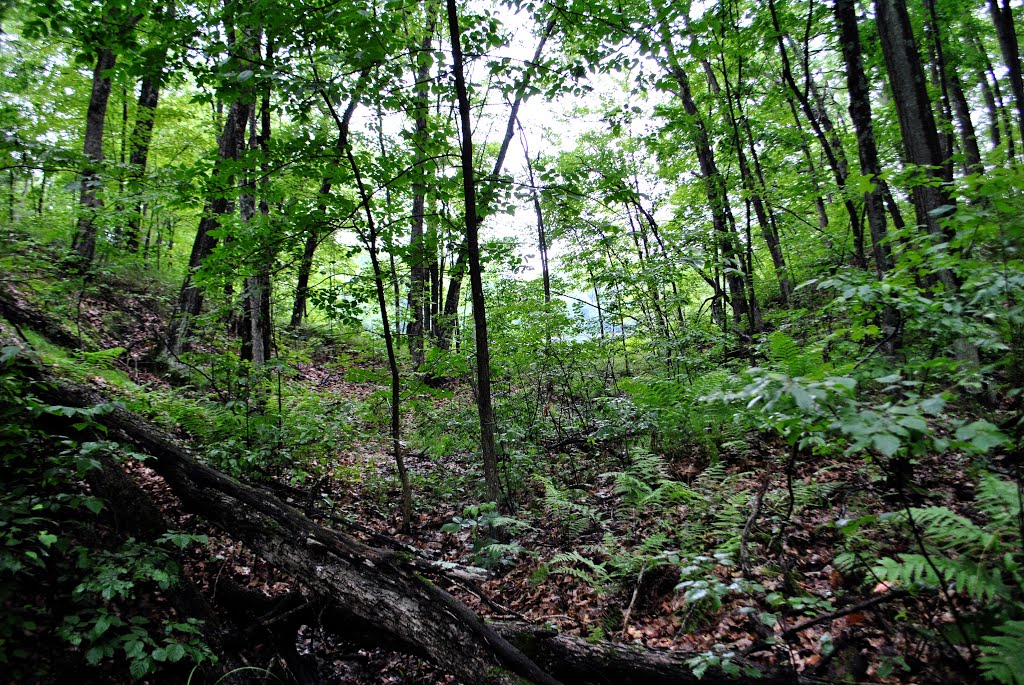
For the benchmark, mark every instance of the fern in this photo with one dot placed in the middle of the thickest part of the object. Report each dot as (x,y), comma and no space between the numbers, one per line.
(970,578)
(581,568)
(1002,657)
(646,482)
(573,517)
(792,358)
(980,560)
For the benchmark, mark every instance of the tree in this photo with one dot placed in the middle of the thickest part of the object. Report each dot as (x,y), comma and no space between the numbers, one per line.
(104,38)
(860,115)
(485,409)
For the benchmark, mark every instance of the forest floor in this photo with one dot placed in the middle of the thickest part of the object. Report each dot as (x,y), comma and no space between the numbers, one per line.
(786,583)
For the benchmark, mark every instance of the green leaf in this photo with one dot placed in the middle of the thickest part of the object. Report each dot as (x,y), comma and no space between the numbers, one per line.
(886,443)
(175,652)
(94,655)
(981,436)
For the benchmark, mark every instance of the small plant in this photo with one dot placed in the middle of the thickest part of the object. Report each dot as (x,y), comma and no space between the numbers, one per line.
(567,509)
(981,561)
(485,524)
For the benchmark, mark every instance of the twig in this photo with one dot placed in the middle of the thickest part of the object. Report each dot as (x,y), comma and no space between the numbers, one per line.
(472,587)
(632,601)
(744,539)
(788,633)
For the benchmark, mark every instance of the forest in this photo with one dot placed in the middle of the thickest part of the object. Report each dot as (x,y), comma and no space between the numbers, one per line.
(511,341)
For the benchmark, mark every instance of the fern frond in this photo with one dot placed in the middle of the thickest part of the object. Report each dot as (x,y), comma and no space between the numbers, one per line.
(951,531)
(574,517)
(570,563)
(1002,656)
(971,578)
(794,359)
(998,499)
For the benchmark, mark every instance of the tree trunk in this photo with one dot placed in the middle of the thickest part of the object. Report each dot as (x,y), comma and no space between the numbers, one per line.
(259,286)
(968,134)
(860,114)
(754,188)
(84,243)
(913,108)
(714,186)
(313,236)
(990,106)
(446,325)
(190,301)
(370,241)
(1002,18)
(822,127)
(488,448)
(142,135)
(419,299)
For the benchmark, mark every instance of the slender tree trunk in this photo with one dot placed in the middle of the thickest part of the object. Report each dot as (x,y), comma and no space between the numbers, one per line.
(965,125)
(940,79)
(84,243)
(860,114)
(483,356)
(542,238)
(142,135)
(1004,115)
(1002,18)
(714,185)
(306,268)
(990,107)
(247,327)
(370,240)
(259,286)
(812,171)
(754,188)
(419,300)
(822,127)
(190,301)
(313,235)
(451,302)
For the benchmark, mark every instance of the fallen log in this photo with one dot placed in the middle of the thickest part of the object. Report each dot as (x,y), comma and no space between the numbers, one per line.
(384,592)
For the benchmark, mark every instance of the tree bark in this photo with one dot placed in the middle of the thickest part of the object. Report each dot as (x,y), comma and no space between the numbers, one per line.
(488,449)
(190,301)
(714,186)
(755,188)
(823,129)
(142,132)
(84,243)
(142,135)
(1002,19)
(313,236)
(419,300)
(258,286)
(913,108)
(446,324)
(370,240)
(860,114)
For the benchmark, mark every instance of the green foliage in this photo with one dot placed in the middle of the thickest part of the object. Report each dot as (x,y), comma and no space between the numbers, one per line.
(568,509)
(793,358)
(646,482)
(1002,657)
(980,560)
(484,524)
(52,545)
(674,409)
